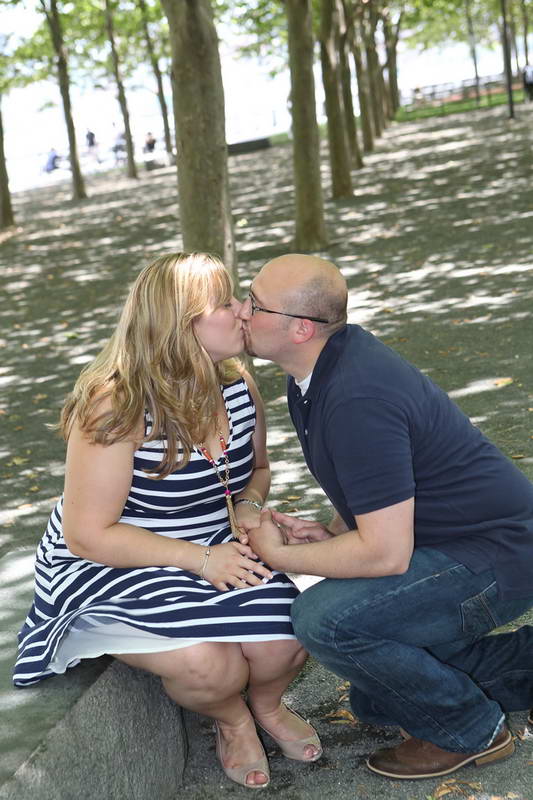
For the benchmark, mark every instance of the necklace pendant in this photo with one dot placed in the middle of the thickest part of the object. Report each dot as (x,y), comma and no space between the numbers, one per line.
(231,515)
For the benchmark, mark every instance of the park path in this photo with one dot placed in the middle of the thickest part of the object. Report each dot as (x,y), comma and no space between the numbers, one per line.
(436,247)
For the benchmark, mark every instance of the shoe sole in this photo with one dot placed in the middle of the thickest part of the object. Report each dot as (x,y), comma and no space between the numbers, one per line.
(503,751)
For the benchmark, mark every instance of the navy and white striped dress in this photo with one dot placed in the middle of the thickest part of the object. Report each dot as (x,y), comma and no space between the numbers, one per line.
(83,609)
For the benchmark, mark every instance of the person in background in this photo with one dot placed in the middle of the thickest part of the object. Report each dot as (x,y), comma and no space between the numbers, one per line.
(527,77)
(149,143)
(52,160)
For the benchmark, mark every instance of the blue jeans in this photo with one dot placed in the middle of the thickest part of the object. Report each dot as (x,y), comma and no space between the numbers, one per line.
(415,650)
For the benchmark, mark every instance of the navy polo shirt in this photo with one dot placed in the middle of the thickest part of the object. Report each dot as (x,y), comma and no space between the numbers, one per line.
(375,431)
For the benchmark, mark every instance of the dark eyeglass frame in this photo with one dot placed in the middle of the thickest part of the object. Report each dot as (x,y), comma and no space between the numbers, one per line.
(255,308)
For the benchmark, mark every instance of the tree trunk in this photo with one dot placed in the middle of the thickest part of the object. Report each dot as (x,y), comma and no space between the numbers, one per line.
(53,20)
(513,37)
(158,78)
(351,124)
(392,34)
(6,209)
(310,231)
(525,28)
(472,43)
(373,69)
(338,141)
(362,85)
(202,160)
(131,168)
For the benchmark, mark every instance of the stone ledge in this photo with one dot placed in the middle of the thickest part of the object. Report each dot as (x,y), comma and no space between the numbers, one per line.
(123,738)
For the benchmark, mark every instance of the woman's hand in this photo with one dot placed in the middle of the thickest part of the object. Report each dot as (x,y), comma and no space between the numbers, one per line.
(248,517)
(298,531)
(234,564)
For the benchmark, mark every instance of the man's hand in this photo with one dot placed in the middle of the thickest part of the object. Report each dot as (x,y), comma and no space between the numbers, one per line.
(298,531)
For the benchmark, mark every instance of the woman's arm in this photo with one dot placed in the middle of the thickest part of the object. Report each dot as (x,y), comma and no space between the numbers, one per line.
(97,483)
(248,516)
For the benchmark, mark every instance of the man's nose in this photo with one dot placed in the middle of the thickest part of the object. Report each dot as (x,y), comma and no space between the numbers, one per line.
(246,309)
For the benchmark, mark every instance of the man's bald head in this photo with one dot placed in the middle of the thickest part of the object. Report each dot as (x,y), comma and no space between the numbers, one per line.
(302,284)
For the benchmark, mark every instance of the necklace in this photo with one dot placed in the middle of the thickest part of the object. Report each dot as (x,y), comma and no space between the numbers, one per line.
(224,480)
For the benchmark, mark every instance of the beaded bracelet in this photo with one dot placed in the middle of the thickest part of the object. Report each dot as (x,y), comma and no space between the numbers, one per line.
(249,502)
(206,556)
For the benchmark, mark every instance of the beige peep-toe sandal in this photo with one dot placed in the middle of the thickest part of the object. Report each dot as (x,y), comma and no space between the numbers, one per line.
(239,774)
(295,750)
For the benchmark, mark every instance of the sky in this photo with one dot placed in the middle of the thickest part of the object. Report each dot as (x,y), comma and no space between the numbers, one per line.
(256,103)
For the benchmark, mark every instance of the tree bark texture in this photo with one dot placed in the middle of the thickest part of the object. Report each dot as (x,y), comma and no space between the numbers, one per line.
(351,124)
(121,94)
(310,229)
(525,28)
(374,69)
(339,153)
(392,34)
(53,19)
(158,77)
(354,36)
(202,160)
(6,209)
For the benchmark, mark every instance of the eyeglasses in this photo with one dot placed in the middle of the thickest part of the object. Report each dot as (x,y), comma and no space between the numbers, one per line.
(255,308)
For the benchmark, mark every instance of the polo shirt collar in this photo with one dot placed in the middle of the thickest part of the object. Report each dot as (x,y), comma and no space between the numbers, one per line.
(326,362)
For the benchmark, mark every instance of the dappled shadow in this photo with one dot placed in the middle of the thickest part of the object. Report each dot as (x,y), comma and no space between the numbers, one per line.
(435,244)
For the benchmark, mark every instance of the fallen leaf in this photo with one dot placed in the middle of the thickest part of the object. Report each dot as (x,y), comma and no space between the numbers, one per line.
(342,717)
(519,455)
(34,489)
(454,786)
(17,461)
(503,381)
(294,497)
(37,397)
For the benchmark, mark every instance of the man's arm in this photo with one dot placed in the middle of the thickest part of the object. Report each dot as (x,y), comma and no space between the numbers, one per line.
(381,544)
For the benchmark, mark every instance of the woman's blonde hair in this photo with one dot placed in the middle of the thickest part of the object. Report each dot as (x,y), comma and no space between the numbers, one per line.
(155,362)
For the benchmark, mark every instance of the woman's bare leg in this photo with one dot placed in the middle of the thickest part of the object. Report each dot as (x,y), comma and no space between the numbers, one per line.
(273,665)
(209,678)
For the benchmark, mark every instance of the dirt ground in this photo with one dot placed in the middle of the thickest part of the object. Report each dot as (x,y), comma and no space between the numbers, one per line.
(435,245)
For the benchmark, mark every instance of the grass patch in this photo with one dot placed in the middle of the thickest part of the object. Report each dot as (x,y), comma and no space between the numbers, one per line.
(456,106)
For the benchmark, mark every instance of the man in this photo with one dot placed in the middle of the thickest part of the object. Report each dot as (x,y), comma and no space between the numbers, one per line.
(527,78)
(431,546)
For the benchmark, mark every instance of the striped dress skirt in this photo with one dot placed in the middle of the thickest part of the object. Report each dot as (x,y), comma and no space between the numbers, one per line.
(82,609)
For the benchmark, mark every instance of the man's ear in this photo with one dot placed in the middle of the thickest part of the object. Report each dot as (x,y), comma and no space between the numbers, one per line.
(305,330)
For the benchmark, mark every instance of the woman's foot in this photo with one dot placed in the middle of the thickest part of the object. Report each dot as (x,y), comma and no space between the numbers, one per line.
(296,737)
(241,754)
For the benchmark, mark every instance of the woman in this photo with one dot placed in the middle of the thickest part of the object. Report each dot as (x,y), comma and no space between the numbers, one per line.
(166,469)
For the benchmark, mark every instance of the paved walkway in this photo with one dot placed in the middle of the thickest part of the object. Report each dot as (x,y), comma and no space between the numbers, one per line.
(436,247)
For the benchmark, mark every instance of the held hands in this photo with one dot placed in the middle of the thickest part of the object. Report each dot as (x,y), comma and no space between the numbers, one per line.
(248,517)
(269,538)
(300,531)
(234,564)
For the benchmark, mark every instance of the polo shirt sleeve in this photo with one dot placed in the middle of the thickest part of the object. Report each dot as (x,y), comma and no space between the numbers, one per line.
(370,448)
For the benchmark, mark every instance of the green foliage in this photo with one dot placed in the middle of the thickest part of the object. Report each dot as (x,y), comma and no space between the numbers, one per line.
(261,24)
(434,23)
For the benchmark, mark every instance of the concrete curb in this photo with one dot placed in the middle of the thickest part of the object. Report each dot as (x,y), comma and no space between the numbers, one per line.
(123,738)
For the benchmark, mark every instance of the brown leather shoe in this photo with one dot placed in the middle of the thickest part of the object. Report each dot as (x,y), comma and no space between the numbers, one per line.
(415,758)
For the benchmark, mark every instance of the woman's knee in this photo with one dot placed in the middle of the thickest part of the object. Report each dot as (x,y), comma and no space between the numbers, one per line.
(286,654)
